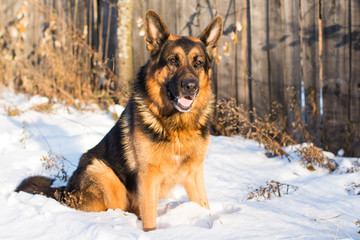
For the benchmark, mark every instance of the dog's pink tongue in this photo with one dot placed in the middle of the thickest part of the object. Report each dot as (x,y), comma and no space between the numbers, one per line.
(185,101)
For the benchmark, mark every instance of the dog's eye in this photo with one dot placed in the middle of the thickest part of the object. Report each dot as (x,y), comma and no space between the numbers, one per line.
(172,60)
(198,63)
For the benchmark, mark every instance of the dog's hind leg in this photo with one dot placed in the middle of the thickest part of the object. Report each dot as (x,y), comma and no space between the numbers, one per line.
(105,191)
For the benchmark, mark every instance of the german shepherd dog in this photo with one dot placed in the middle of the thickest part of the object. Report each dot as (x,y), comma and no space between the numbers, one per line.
(161,137)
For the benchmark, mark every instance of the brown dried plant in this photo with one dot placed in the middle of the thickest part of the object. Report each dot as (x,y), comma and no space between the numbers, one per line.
(311,156)
(70,199)
(12,111)
(233,119)
(272,188)
(271,131)
(60,64)
(55,165)
(228,119)
(43,107)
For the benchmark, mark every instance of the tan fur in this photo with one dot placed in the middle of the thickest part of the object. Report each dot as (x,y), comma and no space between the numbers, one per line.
(160,170)
(173,37)
(113,191)
(155,144)
(180,160)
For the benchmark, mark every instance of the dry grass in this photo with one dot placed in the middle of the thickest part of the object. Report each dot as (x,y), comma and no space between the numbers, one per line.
(59,62)
(270,131)
(232,119)
(272,188)
(311,156)
(55,165)
(70,199)
(55,61)
(12,111)
(43,107)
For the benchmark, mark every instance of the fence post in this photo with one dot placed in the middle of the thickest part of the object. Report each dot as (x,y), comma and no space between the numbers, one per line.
(124,44)
(242,54)
(290,41)
(335,59)
(259,63)
(355,74)
(310,67)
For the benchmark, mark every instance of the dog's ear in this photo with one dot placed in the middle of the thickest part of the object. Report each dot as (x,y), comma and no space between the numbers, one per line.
(155,32)
(211,35)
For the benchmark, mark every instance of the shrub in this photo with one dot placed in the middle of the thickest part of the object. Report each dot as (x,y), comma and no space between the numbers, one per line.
(311,156)
(232,119)
(60,63)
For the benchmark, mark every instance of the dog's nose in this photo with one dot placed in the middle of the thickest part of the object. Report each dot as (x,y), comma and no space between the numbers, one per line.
(190,86)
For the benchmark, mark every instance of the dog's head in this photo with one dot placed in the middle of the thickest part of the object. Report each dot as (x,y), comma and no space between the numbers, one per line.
(180,66)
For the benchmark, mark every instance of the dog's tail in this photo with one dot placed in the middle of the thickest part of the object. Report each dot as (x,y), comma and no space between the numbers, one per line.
(41,185)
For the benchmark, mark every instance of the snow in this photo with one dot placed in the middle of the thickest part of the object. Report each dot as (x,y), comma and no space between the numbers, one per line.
(322,206)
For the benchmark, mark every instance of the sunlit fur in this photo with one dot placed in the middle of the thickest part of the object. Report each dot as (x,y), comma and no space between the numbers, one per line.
(153,145)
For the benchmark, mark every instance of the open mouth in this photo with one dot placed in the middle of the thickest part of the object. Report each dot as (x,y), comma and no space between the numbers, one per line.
(183,104)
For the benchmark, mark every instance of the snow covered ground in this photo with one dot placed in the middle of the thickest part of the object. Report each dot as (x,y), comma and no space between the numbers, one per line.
(320,207)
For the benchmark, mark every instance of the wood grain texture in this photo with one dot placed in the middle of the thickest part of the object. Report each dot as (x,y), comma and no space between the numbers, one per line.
(259,59)
(291,62)
(335,59)
(310,67)
(310,46)
(355,75)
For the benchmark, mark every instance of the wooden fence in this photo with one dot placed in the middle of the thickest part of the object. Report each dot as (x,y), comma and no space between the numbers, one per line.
(302,54)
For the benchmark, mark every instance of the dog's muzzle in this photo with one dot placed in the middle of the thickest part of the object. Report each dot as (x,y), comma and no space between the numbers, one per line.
(184,100)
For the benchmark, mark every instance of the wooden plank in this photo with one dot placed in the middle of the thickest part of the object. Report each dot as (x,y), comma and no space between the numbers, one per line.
(282,50)
(274,53)
(207,11)
(187,17)
(167,10)
(140,54)
(226,67)
(355,75)
(310,67)
(259,79)
(335,59)
(242,73)
(291,71)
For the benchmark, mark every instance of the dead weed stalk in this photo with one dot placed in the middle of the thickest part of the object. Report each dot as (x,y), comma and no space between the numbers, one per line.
(270,131)
(272,188)
(56,61)
(311,156)
(233,119)
(55,165)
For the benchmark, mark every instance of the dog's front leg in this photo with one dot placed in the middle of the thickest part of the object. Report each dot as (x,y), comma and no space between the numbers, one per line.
(195,186)
(149,187)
